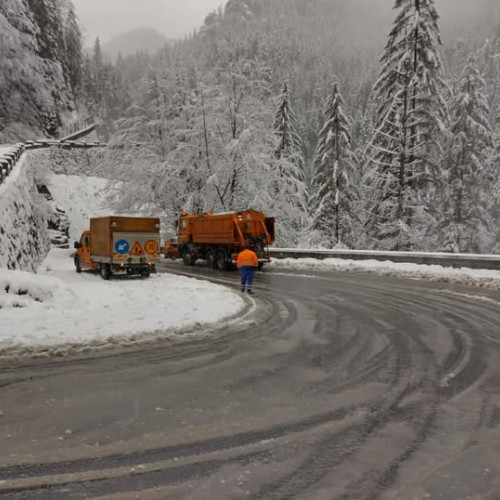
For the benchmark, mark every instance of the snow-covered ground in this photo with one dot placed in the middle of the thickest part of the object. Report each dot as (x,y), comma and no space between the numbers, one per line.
(57,306)
(475,277)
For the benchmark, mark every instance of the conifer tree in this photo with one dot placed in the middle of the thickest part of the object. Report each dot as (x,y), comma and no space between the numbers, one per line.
(289,160)
(468,202)
(335,180)
(290,146)
(73,48)
(492,77)
(408,121)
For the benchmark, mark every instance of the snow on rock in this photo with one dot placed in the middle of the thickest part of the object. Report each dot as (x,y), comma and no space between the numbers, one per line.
(24,240)
(475,277)
(60,307)
(81,198)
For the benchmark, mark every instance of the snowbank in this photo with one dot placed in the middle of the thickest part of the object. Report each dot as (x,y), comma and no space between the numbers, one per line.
(22,290)
(474,277)
(59,307)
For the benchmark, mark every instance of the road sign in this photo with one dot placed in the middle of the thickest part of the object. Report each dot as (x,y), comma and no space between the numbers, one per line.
(151,247)
(122,247)
(137,249)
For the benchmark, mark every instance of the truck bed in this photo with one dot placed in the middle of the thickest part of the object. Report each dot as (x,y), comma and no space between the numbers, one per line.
(103,231)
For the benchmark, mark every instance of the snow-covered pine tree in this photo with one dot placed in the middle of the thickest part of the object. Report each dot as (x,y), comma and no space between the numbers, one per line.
(468,217)
(289,161)
(73,48)
(290,146)
(238,9)
(408,119)
(336,179)
(492,77)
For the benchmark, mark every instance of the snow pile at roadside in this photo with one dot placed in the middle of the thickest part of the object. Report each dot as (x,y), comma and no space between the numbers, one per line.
(21,289)
(61,307)
(476,277)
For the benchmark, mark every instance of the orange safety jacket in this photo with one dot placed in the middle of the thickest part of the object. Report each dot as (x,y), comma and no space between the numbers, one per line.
(247,258)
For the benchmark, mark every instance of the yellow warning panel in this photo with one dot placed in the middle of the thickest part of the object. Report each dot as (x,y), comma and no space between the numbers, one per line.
(137,249)
(151,247)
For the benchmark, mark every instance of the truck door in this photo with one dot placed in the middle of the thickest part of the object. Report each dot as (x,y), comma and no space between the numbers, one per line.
(84,251)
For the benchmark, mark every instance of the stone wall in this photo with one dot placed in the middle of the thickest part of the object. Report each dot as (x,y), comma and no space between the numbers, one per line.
(24,215)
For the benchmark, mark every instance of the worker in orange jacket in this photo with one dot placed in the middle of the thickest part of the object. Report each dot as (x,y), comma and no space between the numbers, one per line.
(247,261)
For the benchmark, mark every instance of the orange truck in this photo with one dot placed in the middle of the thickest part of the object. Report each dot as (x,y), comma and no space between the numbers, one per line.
(218,238)
(119,245)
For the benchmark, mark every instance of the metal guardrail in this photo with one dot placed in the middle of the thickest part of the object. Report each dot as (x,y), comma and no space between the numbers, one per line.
(11,156)
(77,129)
(473,261)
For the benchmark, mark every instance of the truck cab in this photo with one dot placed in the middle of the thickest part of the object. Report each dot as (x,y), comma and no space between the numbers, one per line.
(82,255)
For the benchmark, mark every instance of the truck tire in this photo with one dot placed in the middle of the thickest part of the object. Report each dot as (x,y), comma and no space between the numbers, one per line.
(78,267)
(221,260)
(212,259)
(146,273)
(187,259)
(105,271)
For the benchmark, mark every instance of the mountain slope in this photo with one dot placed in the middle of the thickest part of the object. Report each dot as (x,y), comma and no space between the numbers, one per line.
(34,95)
(137,40)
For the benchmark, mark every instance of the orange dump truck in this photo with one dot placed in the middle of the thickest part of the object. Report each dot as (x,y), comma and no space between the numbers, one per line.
(218,238)
(112,245)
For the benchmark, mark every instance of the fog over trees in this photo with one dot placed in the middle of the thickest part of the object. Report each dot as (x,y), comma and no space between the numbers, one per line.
(357,124)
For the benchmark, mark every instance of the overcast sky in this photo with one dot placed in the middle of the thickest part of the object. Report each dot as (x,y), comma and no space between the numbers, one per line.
(177,18)
(172,18)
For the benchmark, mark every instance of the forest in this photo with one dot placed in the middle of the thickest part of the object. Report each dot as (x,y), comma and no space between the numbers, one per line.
(351,136)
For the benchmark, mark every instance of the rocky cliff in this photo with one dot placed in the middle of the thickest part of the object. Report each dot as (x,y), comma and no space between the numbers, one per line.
(35,98)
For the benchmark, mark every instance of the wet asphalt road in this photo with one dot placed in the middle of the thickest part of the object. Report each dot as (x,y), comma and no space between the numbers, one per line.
(332,386)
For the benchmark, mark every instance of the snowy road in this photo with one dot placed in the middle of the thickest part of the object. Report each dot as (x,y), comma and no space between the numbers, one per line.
(341,385)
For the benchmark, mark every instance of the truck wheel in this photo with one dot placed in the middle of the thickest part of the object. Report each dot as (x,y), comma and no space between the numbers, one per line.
(146,273)
(187,259)
(77,264)
(105,271)
(221,261)
(212,259)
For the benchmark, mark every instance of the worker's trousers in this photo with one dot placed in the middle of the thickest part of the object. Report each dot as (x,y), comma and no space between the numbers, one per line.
(246,277)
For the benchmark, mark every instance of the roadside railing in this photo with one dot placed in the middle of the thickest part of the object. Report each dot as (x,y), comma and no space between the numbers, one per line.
(78,129)
(474,261)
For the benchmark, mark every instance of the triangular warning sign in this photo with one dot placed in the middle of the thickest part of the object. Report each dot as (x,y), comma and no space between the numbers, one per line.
(137,249)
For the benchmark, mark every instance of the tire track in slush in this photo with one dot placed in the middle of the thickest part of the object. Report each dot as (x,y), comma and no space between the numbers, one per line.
(331,452)
(406,364)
